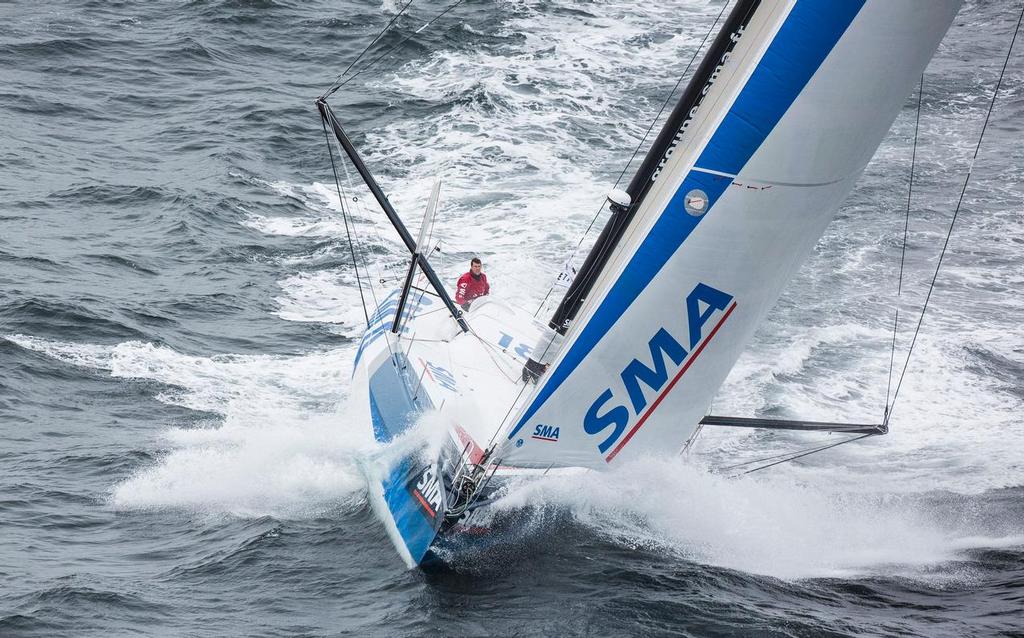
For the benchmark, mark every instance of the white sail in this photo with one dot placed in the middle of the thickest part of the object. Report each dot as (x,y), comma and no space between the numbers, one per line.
(789,119)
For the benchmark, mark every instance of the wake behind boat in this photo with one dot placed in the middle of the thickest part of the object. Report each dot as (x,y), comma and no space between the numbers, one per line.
(786,109)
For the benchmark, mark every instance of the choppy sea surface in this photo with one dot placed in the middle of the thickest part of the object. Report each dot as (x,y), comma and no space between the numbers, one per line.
(178,316)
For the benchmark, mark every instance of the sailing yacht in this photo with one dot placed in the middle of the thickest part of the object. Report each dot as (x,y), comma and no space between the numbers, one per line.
(773,130)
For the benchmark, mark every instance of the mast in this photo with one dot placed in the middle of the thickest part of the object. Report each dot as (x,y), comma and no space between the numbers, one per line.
(668,139)
(418,257)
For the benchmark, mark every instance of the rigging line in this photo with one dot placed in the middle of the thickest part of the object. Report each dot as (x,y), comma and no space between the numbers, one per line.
(372,217)
(415,339)
(636,151)
(519,395)
(508,413)
(696,432)
(693,439)
(377,59)
(344,216)
(770,458)
(793,454)
(903,252)
(359,57)
(363,246)
(487,349)
(366,214)
(668,98)
(382,267)
(956,212)
(814,451)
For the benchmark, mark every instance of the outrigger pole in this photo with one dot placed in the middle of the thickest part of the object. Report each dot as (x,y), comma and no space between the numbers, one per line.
(418,257)
(793,424)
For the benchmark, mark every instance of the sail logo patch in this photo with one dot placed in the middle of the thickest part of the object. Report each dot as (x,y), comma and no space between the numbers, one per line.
(428,492)
(626,404)
(545,433)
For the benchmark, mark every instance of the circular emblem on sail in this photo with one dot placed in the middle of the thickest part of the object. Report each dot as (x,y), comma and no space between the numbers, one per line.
(696,202)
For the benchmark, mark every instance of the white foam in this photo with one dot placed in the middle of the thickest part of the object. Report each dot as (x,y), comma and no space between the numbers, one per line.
(282,446)
(767,525)
(297,226)
(325,296)
(220,383)
(323,219)
(273,463)
(84,355)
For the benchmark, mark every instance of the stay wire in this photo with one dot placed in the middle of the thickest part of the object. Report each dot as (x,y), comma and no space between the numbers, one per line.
(799,455)
(366,67)
(365,246)
(640,144)
(344,216)
(338,83)
(956,212)
(668,98)
(931,287)
(334,85)
(903,251)
(772,457)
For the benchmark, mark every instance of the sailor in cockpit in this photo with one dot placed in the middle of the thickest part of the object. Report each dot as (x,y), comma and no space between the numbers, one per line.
(472,284)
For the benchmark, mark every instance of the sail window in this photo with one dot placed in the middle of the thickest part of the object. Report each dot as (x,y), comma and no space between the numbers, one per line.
(696,202)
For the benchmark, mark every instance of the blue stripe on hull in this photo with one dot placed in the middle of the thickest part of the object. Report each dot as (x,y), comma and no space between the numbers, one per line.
(392,405)
(393,411)
(803,42)
(416,529)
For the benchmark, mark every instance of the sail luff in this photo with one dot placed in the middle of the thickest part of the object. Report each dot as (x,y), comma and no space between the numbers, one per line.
(664,145)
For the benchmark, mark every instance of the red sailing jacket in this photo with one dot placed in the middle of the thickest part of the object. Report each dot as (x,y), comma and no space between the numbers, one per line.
(469,288)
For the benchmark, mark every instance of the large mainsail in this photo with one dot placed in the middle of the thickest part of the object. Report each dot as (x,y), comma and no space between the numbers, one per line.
(792,103)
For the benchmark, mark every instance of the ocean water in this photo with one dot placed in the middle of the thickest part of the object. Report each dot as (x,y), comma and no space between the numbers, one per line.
(178,316)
